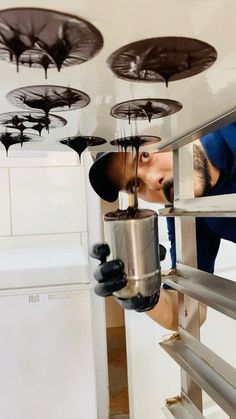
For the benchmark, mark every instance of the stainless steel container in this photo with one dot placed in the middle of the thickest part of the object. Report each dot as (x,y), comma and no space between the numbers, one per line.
(134,240)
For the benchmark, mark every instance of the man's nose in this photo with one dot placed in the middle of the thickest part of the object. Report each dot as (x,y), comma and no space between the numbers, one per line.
(151,178)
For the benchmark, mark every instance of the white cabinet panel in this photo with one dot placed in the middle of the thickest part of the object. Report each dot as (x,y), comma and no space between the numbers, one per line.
(152,375)
(46,356)
(5,225)
(42,260)
(84,240)
(48,200)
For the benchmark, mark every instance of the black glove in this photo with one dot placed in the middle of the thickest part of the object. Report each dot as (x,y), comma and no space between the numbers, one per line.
(162,252)
(110,275)
(111,278)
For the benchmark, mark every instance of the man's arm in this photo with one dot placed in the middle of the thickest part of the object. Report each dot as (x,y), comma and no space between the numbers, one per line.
(166,311)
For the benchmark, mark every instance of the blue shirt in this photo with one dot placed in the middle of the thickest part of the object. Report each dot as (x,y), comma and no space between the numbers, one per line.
(220,147)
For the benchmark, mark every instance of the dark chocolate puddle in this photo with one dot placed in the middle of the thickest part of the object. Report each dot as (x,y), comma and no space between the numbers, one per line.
(128,213)
(145,109)
(8,139)
(44,38)
(20,127)
(79,143)
(38,127)
(47,97)
(37,121)
(162,59)
(133,141)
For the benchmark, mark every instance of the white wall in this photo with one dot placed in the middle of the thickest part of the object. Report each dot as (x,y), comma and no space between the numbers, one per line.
(153,376)
(42,195)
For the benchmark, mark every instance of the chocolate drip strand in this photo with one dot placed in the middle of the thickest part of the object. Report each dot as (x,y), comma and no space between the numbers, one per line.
(79,143)
(135,142)
(8,139)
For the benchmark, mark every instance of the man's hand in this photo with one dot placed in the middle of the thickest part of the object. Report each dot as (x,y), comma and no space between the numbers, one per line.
(112,278)
(110,275)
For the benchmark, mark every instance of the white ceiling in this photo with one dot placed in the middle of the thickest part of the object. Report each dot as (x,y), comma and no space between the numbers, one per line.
(204,96)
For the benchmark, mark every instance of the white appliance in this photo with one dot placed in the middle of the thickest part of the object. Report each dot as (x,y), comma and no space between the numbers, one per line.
(47,368)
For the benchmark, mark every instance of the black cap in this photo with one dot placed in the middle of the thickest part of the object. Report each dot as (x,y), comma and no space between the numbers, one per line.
(100,180)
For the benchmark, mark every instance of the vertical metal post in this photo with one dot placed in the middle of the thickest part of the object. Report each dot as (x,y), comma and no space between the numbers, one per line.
(186,253)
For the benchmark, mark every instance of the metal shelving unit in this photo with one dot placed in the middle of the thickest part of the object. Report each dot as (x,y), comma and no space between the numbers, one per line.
(201,368)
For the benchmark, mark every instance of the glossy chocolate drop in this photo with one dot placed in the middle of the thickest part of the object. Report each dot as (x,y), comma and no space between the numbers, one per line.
(162,59)
(38,127)
(24,120)
(8,139)
(46,38)
(14,44)
(47,97)
(150,108)
(16,120)
(133,140)
(45,62)
(79,143)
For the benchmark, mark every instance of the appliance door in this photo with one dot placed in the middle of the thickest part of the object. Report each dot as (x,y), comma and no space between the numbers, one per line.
(46,354)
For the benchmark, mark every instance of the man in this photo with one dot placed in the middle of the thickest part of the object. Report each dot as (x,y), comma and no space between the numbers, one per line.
(214,174)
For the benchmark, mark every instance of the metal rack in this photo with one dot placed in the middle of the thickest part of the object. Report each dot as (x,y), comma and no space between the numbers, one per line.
(201,368)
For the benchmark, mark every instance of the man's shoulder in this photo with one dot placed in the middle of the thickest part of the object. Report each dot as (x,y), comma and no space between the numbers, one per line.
(220,147)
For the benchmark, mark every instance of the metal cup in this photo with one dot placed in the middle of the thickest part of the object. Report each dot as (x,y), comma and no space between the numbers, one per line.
(134,240)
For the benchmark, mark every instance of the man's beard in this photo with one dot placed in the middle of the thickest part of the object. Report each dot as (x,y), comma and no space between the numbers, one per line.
(168,190)
(200,165)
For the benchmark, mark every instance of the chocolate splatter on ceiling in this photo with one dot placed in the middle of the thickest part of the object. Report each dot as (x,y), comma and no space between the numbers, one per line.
(162,59)
(79,143)
(36,121)
(11,138)
(47,97)
(37,37)
(135,141)
(145,109)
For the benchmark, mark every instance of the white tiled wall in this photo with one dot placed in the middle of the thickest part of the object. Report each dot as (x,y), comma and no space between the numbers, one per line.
(47,200)
(36,158)
(42,195)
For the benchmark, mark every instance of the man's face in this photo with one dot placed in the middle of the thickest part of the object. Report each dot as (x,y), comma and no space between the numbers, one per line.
(154,176)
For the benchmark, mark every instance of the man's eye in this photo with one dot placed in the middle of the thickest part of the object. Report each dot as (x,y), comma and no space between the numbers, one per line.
(145,155)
